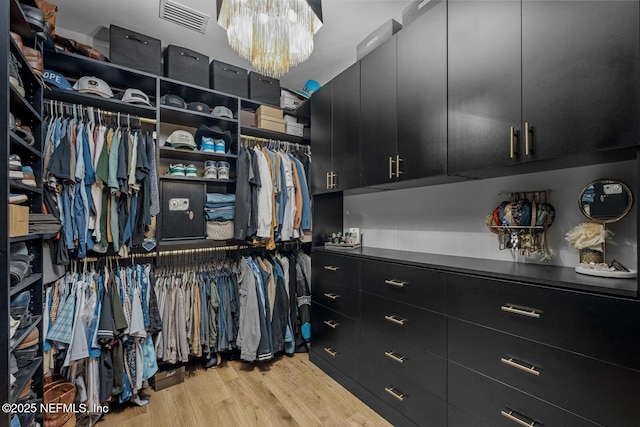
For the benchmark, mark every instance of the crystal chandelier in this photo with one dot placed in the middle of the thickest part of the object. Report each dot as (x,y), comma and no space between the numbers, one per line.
(273,35)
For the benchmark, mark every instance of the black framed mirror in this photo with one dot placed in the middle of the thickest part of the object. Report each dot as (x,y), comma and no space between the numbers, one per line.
(606,200)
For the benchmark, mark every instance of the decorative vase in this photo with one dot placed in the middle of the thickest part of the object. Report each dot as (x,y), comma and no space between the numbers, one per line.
(589,255)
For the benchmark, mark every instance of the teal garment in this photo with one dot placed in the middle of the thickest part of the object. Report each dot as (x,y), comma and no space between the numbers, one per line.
(113,165)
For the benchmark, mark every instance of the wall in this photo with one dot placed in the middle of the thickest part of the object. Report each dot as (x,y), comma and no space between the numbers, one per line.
(449,219)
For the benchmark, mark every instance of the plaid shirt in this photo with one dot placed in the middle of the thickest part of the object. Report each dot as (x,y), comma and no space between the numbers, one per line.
(62,330)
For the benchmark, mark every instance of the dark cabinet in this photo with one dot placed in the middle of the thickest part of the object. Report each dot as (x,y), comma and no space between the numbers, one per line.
(422,94)
(321,120)
(537,80)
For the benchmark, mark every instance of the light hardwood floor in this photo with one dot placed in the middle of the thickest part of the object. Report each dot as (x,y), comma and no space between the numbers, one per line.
(289,391)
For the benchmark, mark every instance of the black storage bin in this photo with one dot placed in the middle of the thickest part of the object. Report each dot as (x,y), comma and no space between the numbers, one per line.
(186,65)
(135,50)
(264,89)
(182,211)
(229,79)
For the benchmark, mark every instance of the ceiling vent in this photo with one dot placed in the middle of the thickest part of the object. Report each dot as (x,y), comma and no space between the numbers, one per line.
(184,16)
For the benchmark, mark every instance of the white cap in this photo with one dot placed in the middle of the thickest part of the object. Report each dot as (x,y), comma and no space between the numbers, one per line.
(181,139)
(93,85)
(222,111)
(135,96)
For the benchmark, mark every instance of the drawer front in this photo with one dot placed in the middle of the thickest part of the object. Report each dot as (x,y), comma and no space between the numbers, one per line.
(405,361)
(458,418)
(598,326)
(498,405)
(335,268)
(423,328)
(596,390)
(336,339)
(405,396)
(341,298)
(411,285)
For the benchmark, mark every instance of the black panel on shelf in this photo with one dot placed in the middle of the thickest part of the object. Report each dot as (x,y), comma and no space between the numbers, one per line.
(269,134)
(109,104)
(20,107)
(25,283)
(192,93)
(185,117)
(24,238)
(22,378)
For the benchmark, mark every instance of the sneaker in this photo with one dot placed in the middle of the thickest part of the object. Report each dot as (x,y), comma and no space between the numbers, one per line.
(176,170)
(29,177)
(19,262)
(191,171)
(16,199)
(14,75)
(207,145)
(223,170)
(220,146)
(210,170)
(15,167)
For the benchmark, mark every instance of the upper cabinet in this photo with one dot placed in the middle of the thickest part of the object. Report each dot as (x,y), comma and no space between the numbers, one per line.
(536,80)
(321,140)
(422,93)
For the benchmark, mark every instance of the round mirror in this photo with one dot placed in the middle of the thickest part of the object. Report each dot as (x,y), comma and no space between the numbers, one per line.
(606,200)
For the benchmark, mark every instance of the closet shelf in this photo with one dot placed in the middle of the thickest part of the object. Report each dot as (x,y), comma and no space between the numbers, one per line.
(175,153)
(26,282)
(25,238)
(164,245)
(23,106)
(16,185)
(22,378)
(18,143)
(18,22)
(26,72)
(269,134)
(184,178)
(184,117)
(109,104)
(35,322)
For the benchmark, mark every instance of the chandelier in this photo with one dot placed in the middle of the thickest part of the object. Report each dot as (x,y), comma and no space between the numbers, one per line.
(273,35)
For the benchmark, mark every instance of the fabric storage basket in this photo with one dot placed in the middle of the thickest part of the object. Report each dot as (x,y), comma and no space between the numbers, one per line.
(135,50)
(264,89)
(228,78)
(186,65)
(219,230)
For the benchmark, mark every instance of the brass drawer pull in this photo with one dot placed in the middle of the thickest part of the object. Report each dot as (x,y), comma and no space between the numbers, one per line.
(396,283)
(331,323)
(391,174)
(509,415)
(522,312)
(331,268)
(513,151)
(527,142)
(328,187)
(395,319)
(511,362)
(332,296)
(396,357)
(330,351)
(395,393)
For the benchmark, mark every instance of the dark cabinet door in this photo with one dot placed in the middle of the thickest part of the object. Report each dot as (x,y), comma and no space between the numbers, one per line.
(484,83)
(346,129)
(422,94)
(580,75)
(378,114)
(321,124)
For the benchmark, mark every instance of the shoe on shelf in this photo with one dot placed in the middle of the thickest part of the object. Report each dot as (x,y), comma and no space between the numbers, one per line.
(19,262)
(176,170)
(220,146)
(29,177)
(16,199)
(210,170)
(14,74)
(25,133)
(223,170)
(13,326)
(190,171)
(34,59)
(15,167)
(207,145)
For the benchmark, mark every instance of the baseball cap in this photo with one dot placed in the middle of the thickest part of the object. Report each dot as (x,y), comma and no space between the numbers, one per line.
(222,111)
(173,100)
(308,89)
(213,131)
(200,107)
(134,96)
(57,80)
(94,85)
(181,139)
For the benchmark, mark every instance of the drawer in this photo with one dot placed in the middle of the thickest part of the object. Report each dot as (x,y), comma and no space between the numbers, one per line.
(405,396)
(565,379)
(335,268)
(458,418)
(599,326)
(411,285)
(341,298)
(405,361)
(423,328)
(336,339)
(498,405)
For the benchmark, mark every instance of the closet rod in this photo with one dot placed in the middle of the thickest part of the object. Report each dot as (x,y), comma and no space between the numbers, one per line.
(168,253)
(257,139)
(54,104)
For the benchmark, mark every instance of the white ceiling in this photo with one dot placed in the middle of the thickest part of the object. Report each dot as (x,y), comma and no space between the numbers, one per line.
(346,23)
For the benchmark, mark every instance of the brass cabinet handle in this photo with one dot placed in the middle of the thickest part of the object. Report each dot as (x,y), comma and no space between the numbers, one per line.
(518,365)
(398,160)
(395,283)
(331,323)
(527,142)
(513,151)
(509,415)
(332,296)
(522,312)
(395,319)
(396,357)
(333,184)
(331,268)
(330,351)
(395,393)
(391,167)
(328,181)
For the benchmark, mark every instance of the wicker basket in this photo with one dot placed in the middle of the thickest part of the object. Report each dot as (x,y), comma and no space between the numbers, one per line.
(219,230)
(59,392)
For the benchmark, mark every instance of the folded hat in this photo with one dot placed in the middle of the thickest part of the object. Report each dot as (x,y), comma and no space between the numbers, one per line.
(56,79)
(134,96)
(308,89)
(173,100)
(181,139)
(222,111)
(200,107)
(93,85)
(213,131)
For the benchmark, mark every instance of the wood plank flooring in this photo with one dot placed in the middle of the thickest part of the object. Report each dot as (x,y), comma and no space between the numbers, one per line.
(289,391)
